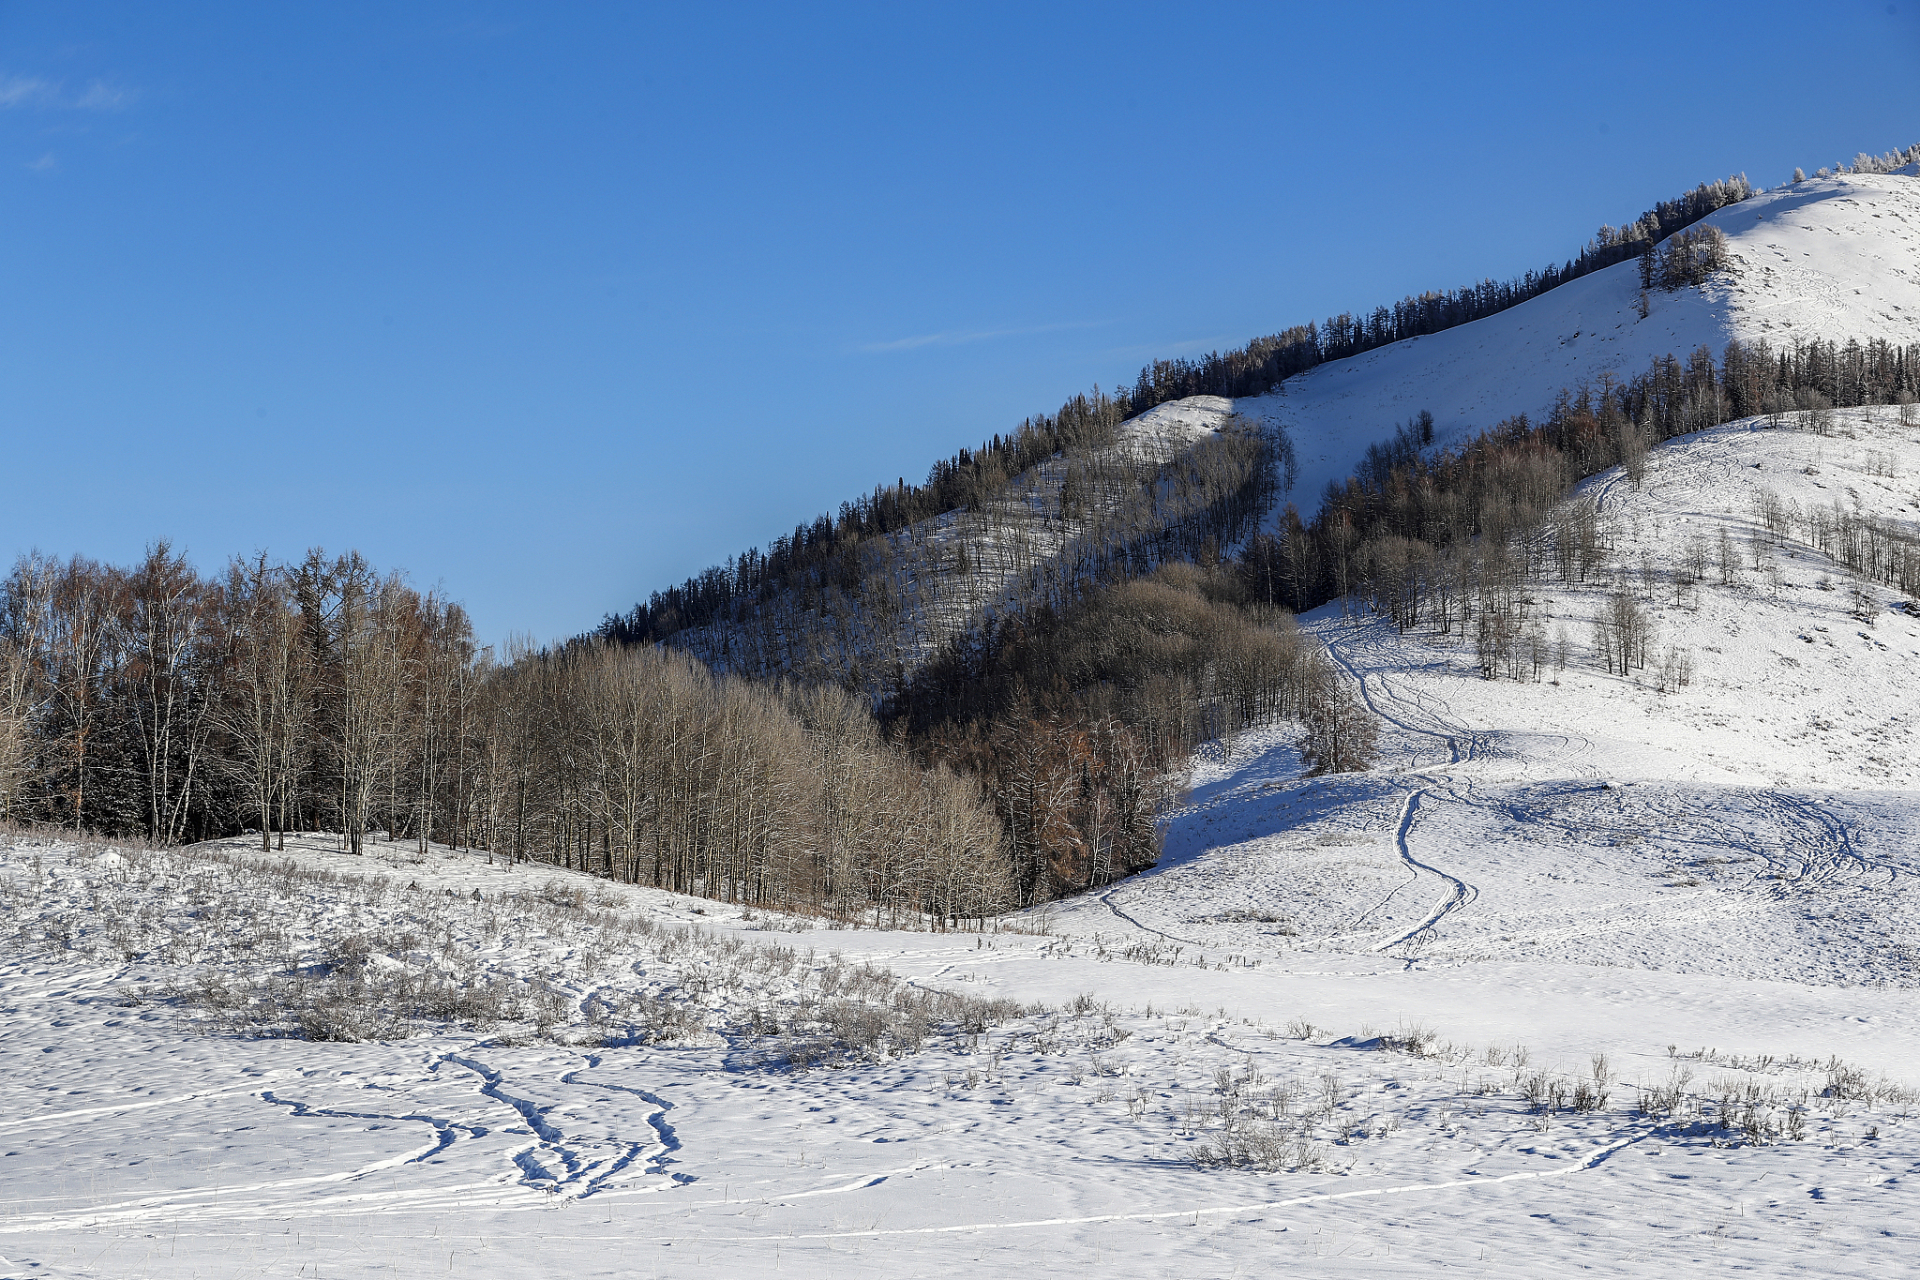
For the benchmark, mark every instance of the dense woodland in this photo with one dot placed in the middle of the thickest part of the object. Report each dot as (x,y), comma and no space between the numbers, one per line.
(322,695)
(1077,717)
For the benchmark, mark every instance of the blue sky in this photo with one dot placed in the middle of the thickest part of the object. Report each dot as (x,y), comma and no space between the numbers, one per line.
(556,304)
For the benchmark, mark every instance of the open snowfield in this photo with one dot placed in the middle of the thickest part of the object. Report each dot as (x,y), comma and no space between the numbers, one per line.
(1349,1027)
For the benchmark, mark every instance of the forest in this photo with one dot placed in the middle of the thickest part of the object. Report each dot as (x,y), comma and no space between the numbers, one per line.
(323,695)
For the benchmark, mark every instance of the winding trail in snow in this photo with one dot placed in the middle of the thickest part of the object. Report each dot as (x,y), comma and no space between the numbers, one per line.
(1106,898)
(1351,633)
(1462,892)
(666,1137)
(1458,892)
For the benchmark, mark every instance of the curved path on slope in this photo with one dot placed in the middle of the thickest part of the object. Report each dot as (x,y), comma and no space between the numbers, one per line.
(1408,709)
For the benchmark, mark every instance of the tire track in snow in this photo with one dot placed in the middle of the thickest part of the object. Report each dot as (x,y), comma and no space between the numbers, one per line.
(1107,899)
(445,1130)
(583,1174)
(231,1199)
(1336,646)
(119,1108)
(532,1172)
(1460,892)
(1833,855)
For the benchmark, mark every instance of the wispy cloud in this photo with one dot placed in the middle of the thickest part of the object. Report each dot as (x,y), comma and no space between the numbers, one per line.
(44,94)
(961,337)
(26,91)
(44,163)
(101,96)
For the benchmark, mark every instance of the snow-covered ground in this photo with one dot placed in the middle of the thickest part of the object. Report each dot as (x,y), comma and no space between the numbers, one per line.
(1385,1117)
(1350,1025)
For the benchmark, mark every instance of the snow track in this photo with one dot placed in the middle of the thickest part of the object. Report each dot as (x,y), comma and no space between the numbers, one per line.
(1459,894)
(572,1166)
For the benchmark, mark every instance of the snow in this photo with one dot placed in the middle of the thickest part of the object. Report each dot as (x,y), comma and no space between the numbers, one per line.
(137,1148)
(1832,259)
(1714,886)
(1059,1143)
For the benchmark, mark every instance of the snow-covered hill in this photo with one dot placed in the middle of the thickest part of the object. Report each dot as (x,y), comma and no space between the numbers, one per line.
(1833,258)
(927,582)
(1756,820)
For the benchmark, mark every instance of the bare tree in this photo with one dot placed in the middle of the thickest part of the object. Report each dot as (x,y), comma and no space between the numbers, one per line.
(173,661)
(85,644)
(1623,634)
(1341,735)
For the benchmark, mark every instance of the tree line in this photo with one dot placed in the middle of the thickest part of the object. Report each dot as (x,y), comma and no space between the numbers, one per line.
(823,550)
(1033,761)
(323,695)
(152,699)
(1865,163)
(1451,538)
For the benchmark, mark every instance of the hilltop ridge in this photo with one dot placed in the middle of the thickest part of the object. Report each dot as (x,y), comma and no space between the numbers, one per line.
(1834,259)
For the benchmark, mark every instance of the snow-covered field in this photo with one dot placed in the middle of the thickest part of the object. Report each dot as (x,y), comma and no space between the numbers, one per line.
(1593,971)
(1584,974)
(1362,1140)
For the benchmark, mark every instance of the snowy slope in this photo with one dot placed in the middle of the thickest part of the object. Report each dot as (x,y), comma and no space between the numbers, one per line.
(944,574)
(1758,822)
(1828,258)
(1831,258)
